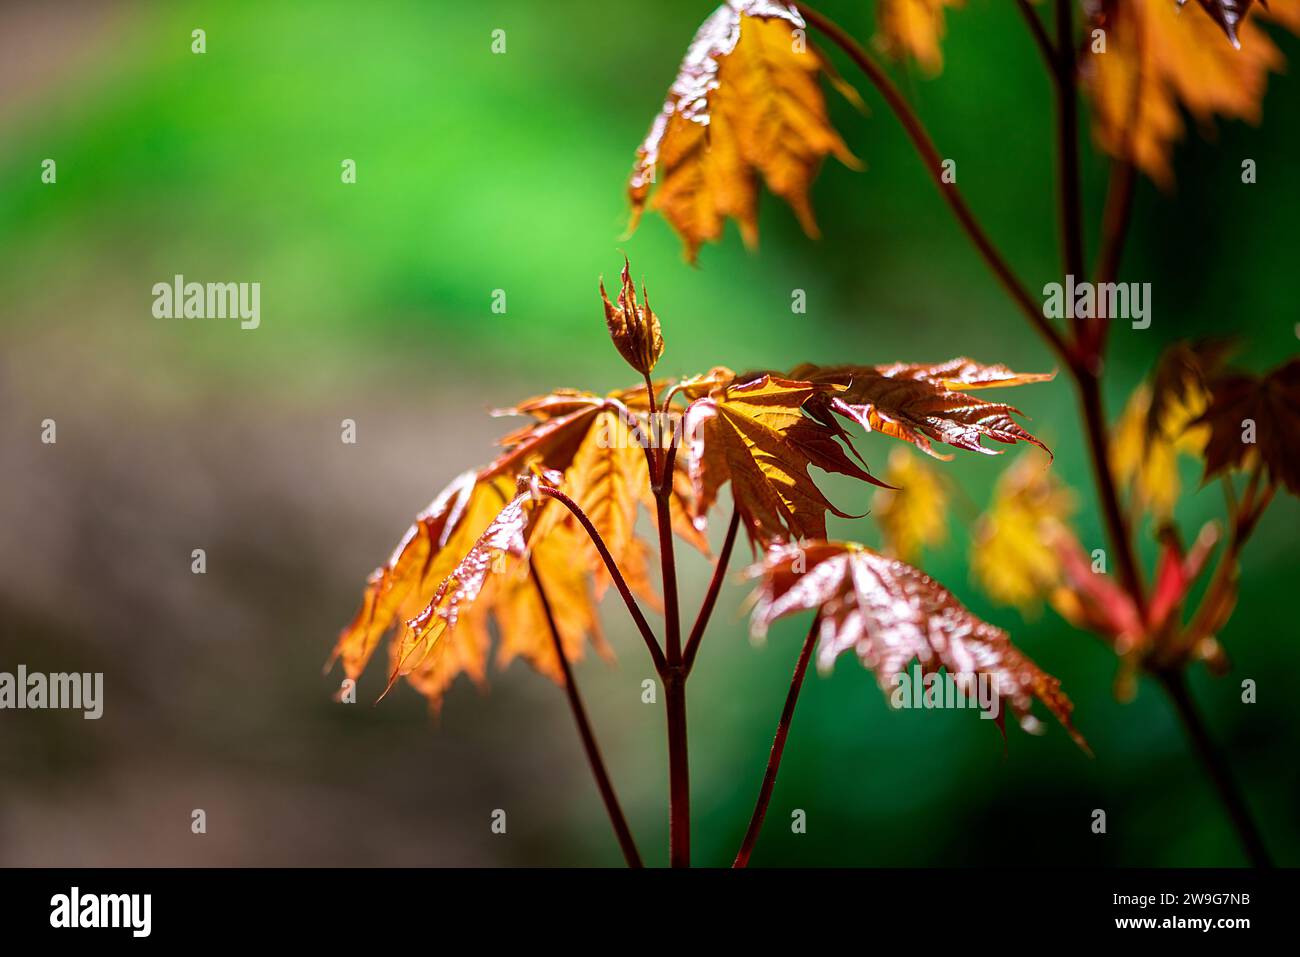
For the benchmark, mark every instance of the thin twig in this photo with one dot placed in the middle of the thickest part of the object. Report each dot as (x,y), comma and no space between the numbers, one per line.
(1041,39)
(1067,131)
(1216,766)
(642,625)
(625,840)
(933,162)
(778,747)
(711,596)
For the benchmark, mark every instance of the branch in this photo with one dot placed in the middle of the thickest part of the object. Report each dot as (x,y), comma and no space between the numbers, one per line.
(603,783)
(674,674)
(933,164)
(711,596)
(1041,39)
(778,746)
(642,625)
(1217,768)
(1117,526)
(1067,132)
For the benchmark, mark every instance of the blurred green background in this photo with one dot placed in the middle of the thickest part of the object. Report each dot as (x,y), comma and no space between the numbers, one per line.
(478,172)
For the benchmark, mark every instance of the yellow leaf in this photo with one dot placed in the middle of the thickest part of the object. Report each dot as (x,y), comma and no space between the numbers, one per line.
(1160,58)
(1013,554)
(1144,455)
(914,514)
(913,28)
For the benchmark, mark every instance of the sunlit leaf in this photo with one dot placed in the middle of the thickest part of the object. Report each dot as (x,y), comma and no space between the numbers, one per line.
(1160,59)
(889,614)
(916,403)
(756,436)
(746,102)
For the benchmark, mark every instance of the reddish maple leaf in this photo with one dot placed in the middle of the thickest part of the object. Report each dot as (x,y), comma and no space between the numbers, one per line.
(917,403)
(1255,414)
(889,614)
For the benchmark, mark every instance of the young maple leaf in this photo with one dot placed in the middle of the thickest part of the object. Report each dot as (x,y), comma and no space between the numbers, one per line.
(1255,415)
(497,573)
(589,438)
(912,515)
(755,435)
(1013,553)
(913,28)
(889,613)
(746,101)
(1159,57)
(521,617)
(633,327)
(917,403)
(397,590)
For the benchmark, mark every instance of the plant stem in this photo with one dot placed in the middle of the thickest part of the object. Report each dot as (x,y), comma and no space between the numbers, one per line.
(679,774)
(1067,131)
(603,783)
(1216,766)
(634,610)
(1094,417)
(934,166)
(778,747)
(673,674)
(1041,39)
(711,596)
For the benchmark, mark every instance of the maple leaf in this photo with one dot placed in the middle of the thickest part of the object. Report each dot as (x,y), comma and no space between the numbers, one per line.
(1144,447)
(500,573)
(916,403)
(454,519)
(633,327)
(890,614)
(1226,13)
(521,617)
(913,28)
(1013,555)
(590,440)
(913,515)
(1252,416)
(755,436)
(1090,599)
(746,102)
(1159,57)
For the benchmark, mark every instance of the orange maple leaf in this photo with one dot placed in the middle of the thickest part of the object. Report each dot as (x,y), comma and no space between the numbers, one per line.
(1159,57)
(913,28)
(755,435)
(746,102)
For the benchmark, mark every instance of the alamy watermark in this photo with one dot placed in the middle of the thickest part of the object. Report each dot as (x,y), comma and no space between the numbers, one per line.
(179,299)
(1109,300)
(75,691)
(943,689)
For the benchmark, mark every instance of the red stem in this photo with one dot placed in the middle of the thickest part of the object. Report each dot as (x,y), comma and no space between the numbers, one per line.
(673,674)
(934,167)
(778,747)
(603,783)
(642,625)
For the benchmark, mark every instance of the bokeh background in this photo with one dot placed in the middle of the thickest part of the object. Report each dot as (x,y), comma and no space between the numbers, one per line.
(479,172)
